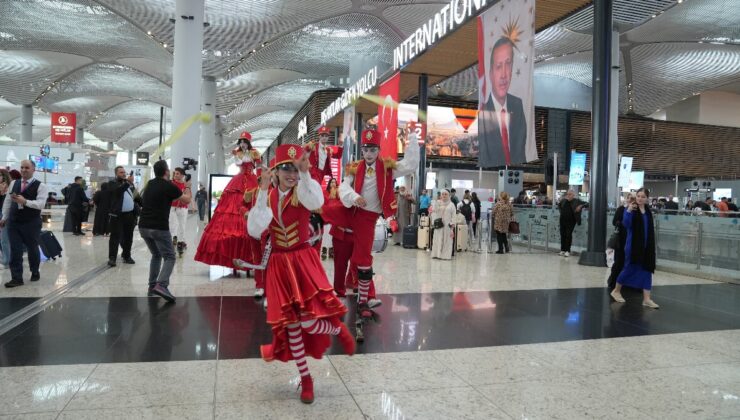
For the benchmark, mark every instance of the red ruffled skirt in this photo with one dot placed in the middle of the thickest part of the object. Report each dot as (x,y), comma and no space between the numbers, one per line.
(225,236)
(297,289)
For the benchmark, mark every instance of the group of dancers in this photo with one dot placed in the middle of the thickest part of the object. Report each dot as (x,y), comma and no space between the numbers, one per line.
(270,219)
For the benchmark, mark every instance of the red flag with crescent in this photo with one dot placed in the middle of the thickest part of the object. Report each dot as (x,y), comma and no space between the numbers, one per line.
(388,116)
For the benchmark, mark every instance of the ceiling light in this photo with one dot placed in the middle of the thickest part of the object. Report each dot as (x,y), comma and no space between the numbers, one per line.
(164,45)
(149,33)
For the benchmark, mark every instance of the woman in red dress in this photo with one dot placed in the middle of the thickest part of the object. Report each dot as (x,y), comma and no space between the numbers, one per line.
(302,310)
(225,237)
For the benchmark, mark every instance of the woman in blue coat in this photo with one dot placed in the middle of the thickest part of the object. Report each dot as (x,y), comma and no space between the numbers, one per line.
(639,250)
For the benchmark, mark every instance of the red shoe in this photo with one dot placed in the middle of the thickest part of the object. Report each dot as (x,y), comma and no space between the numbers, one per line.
(306,389)
(347,340)
(364,310)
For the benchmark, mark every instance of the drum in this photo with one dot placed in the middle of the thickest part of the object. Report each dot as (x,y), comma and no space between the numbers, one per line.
(380,240)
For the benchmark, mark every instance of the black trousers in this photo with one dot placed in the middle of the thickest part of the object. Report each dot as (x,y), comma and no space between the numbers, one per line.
(76,216)
(503,241)
(566,236)
(611,283)
(121,232)
(20,234)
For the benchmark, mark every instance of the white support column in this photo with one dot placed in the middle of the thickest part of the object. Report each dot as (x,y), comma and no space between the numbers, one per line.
(613,165)
(207,144)
(220,160)
(27,123)
(187,70)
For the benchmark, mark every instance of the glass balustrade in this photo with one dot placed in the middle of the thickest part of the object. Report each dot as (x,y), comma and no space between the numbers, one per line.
(707,243)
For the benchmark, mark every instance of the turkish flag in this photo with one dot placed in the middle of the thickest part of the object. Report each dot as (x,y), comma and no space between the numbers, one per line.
(388,116)
(63,127)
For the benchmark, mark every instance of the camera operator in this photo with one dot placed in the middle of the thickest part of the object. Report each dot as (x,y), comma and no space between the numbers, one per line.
(179,210)
(123,211)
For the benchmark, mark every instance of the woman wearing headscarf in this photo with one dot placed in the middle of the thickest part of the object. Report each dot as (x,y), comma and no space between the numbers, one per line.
(503,214)
(639,250)
(443,210)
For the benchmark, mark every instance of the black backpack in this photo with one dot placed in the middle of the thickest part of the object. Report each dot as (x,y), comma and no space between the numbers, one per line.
(466,211)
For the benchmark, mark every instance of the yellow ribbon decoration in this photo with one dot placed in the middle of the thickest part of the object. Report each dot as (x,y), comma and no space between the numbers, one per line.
(202,117)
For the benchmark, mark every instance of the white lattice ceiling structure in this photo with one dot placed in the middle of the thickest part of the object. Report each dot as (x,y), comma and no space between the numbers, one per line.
(669,50)
(110,60)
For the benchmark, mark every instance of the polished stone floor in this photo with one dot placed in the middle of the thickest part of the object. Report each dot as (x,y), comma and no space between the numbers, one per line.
(483,336)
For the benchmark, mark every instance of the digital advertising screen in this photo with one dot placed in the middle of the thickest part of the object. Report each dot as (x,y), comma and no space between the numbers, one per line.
(216,186)
(451,132)
(39,161)
(51,165)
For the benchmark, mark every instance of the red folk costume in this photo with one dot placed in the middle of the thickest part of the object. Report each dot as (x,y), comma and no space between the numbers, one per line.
(225,237)
(302,309)
(319,156)
(374,183)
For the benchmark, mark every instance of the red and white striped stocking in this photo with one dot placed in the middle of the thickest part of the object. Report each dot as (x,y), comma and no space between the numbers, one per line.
(297,350)
(320,326)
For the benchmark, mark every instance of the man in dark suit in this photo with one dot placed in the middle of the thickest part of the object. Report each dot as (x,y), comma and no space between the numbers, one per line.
(122,211)
(76,205)
(502,126)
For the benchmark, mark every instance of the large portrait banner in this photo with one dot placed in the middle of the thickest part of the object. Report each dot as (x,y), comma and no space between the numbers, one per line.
(505,94)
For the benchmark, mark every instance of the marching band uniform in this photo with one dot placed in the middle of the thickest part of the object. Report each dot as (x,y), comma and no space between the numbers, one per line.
(225,237)
(374,183)
(320,157)
(302,311)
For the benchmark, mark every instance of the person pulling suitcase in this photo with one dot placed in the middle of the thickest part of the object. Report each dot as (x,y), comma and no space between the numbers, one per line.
(22,217)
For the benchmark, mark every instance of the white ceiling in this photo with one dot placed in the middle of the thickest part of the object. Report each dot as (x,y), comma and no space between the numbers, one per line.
(111,60)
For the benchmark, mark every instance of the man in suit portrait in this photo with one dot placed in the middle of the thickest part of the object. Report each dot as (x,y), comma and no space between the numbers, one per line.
(502,127)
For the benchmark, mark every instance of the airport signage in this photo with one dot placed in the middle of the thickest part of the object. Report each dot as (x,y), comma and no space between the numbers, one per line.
(351,94)
(142,158)
(63,127)
(449,18)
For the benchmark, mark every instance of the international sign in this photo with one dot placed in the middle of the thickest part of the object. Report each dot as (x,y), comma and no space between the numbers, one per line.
(63,127)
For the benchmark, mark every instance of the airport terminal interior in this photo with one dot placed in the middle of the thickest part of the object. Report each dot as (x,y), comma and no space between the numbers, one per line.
(369,209)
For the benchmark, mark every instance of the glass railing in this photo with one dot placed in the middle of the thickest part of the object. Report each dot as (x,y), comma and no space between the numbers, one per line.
(706,243)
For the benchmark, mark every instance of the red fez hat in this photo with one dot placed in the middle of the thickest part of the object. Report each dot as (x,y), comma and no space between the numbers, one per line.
(324,130)
(245,135)
(370,138)
(286,153)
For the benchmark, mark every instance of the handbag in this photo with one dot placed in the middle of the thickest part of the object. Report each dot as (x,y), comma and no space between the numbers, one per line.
(514,227)
(438,223)
(393,225)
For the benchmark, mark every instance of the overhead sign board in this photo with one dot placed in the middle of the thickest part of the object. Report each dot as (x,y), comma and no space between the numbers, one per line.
(63,127)
(350,95)
(449,18)
(142,158)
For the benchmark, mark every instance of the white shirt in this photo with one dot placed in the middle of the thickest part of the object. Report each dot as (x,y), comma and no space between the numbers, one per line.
(41,195)
(498,107)
(408,165)
(322,156)
(309,194)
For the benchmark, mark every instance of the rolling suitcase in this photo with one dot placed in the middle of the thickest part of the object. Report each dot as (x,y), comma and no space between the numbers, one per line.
(422,240)
(49,245)
(461,238)
(424,221)
(409,239)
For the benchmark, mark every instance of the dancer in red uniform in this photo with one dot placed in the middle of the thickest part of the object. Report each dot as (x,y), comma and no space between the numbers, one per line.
(320,155)
(302,311)
(225,237)
(367,191)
